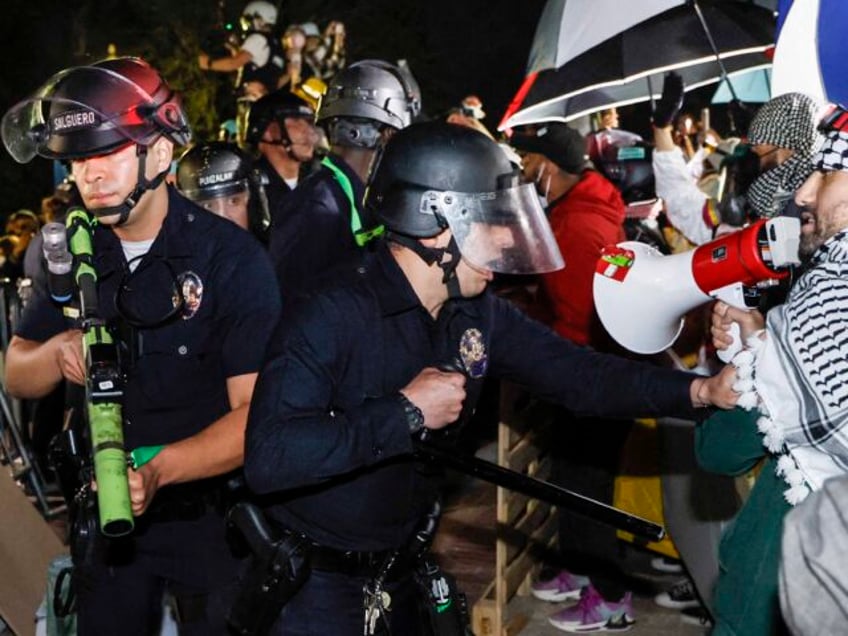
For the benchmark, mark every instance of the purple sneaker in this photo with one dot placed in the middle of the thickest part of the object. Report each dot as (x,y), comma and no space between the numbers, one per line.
(593,614)
(562,587)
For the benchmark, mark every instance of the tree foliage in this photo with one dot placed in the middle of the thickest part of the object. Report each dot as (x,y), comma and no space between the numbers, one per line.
(453,48)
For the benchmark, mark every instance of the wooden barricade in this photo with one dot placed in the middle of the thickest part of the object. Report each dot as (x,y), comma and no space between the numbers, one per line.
(526,527)
(27,545)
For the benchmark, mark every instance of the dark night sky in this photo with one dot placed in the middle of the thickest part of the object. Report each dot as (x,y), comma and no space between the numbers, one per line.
(454,48)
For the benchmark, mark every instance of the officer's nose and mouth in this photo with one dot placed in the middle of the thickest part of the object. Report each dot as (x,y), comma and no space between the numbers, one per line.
(92,176)
(488,243)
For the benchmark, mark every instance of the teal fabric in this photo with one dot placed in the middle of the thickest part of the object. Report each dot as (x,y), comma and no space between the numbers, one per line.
(746,597)
(729,443)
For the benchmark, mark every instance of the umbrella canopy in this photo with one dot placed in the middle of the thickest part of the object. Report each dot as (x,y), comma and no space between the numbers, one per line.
(751,86)
(618,67)
(568,28)
(808,57)
(633,92)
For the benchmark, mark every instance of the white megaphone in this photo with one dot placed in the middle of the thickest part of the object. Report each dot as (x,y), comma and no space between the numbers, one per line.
(642,295)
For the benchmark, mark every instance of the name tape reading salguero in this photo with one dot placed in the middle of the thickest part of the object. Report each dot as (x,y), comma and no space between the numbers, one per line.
(75,119)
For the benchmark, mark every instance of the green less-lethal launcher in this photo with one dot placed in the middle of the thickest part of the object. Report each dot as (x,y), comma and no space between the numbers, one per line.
(110,469)
(103,395)
(107,447)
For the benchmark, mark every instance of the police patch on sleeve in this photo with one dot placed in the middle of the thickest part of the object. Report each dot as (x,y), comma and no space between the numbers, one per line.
(472,352)
(192,289)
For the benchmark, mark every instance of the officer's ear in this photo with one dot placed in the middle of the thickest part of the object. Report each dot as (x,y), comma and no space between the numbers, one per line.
(160,154)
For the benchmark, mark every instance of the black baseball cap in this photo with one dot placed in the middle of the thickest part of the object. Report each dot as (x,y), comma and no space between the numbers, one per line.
(563,145)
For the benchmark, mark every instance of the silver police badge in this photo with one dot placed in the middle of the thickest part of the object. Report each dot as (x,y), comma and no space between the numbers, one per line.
(472,351)
(192,288)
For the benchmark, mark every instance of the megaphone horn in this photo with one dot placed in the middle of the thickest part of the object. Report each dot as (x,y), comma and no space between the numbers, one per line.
(641,296)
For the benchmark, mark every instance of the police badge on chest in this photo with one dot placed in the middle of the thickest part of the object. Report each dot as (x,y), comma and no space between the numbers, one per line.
(192,292)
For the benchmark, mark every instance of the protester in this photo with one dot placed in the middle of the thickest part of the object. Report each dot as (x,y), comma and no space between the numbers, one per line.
(603,145)
(586,214)
(189,299)
(782,138)
(798,387)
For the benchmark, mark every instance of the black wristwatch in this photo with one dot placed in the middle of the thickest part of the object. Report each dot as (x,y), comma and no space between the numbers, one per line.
(414,416)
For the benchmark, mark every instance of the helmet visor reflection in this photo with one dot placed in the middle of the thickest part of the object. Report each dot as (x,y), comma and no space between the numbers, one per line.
(505,231)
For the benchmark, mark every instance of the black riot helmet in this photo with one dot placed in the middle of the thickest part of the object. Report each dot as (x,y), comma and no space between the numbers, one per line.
(93,110)
(276,106)
(365,97)
(434,176)
(216,169)
(220,169)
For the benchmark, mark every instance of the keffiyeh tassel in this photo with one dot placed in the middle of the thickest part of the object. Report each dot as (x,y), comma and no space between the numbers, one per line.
(774,438)
(744,385)
(792,475)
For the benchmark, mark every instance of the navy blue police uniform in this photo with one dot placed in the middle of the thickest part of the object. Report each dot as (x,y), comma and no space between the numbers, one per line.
(327,425)
(276,188)
(176,375)
(311,231)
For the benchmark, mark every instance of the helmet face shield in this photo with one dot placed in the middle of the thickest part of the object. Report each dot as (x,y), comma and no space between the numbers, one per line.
(112,112)
(504,231)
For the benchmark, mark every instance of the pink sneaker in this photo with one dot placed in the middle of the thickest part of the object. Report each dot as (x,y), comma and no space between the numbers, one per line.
(562,587)
(594,614)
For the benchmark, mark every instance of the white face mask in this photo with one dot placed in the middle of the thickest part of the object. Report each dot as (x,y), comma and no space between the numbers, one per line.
(543,191)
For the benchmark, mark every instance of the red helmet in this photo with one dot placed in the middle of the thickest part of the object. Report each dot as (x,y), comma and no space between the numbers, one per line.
(91,110)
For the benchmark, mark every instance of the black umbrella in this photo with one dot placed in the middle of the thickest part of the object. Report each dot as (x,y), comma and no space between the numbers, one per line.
(628,67)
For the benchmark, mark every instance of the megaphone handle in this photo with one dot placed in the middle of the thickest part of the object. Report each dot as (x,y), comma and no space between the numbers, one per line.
(726,355)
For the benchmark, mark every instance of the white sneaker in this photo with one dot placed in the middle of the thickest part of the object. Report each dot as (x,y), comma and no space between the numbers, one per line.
(664,564)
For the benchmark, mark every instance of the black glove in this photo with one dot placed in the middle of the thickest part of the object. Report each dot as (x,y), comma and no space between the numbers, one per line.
(671,101)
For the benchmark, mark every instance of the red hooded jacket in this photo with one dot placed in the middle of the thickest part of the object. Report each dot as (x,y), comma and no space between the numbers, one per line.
(584,220)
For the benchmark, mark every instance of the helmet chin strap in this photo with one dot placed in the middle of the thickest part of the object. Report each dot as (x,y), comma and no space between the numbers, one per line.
(436,255)
(142,185)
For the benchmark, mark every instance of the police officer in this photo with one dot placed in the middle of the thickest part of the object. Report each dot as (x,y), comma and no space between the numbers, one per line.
(190,298)
(322,223)
(221,178)
(365,366)
(281,128)
(259,59)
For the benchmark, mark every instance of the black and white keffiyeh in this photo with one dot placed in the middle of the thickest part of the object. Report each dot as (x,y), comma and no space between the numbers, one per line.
(833,155)
(801,374)
(786,121)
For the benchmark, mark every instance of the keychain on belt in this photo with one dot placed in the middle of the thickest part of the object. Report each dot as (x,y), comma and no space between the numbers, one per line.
(376,600)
